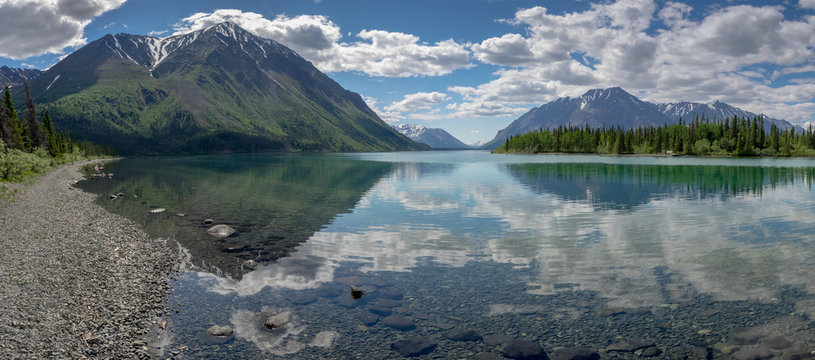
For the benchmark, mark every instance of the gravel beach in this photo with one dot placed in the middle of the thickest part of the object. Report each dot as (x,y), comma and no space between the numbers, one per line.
(75,280)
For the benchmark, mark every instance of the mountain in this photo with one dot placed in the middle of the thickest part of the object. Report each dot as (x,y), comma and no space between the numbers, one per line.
(217,89)
(14,76)
(615,107)
(715,111)
(434,137)
(597,108)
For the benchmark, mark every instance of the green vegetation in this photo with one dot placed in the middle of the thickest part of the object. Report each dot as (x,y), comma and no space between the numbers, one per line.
(731,137)
(30,147)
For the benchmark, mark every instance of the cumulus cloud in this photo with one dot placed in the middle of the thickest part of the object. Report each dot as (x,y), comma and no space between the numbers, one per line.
(664,52)
(417,101)
(36,27)
(316,38)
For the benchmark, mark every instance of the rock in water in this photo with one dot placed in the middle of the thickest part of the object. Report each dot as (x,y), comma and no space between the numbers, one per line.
(216,330)
(575,353)
(156,211)
(414,346)
(221,231)
(208,222)
(523,349)
(398,323)
(356,292)
(279,320)
(462,334)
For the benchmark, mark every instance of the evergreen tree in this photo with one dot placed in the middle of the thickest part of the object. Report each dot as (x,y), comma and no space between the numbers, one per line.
(52,139)
(13,135)
(35,131)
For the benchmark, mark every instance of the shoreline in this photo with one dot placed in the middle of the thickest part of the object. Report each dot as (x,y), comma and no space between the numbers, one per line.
(77,281)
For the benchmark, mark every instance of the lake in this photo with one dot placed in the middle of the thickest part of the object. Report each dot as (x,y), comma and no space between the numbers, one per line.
(462,251)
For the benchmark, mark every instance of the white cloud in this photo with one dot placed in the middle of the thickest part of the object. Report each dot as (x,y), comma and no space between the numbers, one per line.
(417,101)
(806,4)
(157,33)
(316,38)
(660,51)
(36,27)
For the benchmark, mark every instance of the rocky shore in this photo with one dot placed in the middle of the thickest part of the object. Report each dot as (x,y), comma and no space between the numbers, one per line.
(75,280)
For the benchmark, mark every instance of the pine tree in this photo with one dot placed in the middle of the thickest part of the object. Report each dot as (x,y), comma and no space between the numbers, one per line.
(35,131)
(14,135)
(52,139)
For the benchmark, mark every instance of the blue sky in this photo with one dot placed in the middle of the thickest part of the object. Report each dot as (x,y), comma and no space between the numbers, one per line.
(473,66)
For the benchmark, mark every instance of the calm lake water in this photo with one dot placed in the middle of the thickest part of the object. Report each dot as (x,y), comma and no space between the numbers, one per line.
(679,254)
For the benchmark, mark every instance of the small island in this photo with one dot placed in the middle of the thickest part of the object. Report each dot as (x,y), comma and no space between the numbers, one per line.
(730,137)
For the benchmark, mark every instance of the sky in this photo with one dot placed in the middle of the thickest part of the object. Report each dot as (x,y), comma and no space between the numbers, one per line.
(473,66)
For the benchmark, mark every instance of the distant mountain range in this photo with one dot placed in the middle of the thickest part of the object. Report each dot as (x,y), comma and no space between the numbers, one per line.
(615,107)
(14,76)
(212,90)
(434,137)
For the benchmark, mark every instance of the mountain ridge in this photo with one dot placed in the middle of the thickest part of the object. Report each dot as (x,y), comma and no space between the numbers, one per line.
(211,90)
(436,138)
(614,107)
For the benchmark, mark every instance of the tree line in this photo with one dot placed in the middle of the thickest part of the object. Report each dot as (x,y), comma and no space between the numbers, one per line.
(729,137)
(30,145)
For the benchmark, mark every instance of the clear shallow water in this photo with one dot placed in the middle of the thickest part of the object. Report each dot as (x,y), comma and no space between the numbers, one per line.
(562,250)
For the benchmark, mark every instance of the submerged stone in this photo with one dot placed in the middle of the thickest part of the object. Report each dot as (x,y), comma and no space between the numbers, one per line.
(575,353)
(221,231)
(279,320)
(216,330)
(523,349)
(414,346)
(398,323)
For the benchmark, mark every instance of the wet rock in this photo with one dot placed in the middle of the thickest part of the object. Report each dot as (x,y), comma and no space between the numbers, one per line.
(217,330)
(221,231)
(797,353)
(208,222)
(113,197)
(251,264)
(495,340)
(462,334)
(279,320)
(753,353)
(356,292)
(487,356)
(575,353)
(701,353)
(120,194)
(745,336)
(388,303)
(380,310)
(398,323)
(523,349)
(629,345)
(414,346)
(776,342)
(158,210)
(368,319)
(649,352)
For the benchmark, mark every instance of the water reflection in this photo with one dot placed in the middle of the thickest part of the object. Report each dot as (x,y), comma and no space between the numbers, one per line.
(498,245)
(273,201)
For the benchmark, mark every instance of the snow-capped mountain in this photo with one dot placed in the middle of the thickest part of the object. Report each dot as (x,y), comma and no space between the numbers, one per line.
(714,111)
(434,137)
(14,76)
(614,107)
(217,89)
(596,108)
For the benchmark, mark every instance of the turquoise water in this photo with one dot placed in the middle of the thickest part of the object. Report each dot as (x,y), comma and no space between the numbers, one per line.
(560,250)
